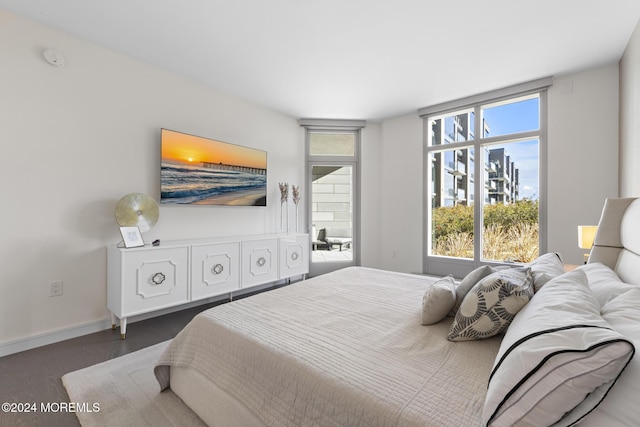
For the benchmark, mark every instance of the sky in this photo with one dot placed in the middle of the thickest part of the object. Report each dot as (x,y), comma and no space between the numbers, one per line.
(519,117)
(189,149)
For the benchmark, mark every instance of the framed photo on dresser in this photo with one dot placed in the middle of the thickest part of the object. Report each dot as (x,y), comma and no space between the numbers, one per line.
(131,237)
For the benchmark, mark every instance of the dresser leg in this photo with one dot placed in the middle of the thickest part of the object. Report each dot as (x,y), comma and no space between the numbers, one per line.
(123,327)
(113,322)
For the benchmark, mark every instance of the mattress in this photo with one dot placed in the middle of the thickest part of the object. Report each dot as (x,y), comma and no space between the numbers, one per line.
(343,349)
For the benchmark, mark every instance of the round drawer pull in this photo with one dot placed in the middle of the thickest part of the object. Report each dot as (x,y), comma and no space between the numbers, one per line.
(294,255)
(261,261)
(217,269)
(157,278)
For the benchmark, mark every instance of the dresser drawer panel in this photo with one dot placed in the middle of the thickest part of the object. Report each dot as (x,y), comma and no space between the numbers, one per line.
(259,262)
(294,256)
(215,269)
(155,279)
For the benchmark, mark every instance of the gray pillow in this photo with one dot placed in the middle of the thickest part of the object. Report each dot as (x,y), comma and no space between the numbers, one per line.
(491,305)
(467,283)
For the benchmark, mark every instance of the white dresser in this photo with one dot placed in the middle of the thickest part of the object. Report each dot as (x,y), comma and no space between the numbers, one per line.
(150,278)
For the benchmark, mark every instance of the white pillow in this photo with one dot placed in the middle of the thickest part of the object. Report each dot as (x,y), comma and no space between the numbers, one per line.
(545,268)
(438,300)
(558,359)
(621,404)
(491,305)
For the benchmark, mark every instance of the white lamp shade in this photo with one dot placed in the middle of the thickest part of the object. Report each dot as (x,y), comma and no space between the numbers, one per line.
(586,236)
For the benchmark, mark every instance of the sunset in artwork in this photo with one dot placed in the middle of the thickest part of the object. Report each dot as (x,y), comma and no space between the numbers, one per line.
(182,148)
(202,171)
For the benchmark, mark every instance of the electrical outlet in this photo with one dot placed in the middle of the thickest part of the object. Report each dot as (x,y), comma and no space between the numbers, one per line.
(55,288)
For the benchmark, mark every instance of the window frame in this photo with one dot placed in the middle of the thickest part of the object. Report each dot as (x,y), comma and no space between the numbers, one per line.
(459,267)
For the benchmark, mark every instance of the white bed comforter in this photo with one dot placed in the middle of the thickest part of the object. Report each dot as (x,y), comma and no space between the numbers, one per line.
(343,349)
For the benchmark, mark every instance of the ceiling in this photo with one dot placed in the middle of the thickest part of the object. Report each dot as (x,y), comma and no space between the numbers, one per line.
(351,59)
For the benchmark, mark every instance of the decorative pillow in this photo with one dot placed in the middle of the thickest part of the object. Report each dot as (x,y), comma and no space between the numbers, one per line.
(558,359)
(545,268)
(491,305)
(438,300)
(467,283)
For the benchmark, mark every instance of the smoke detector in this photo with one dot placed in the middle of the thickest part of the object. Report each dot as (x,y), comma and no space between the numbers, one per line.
(54,57)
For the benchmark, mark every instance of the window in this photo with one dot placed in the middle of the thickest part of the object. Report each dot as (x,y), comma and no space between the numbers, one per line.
(492,146)
(332,144)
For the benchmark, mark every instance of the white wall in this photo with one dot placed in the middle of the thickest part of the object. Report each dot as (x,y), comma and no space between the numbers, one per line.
(583,154)
(75,140)
(629,114)
(582,168)
(401,192)
(371,198)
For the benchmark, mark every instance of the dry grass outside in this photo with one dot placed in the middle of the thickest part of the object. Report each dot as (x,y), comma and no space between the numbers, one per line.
(458,245)
(518,243)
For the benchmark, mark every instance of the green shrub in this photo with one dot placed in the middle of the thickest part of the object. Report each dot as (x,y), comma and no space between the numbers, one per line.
(448,221)
(521,212)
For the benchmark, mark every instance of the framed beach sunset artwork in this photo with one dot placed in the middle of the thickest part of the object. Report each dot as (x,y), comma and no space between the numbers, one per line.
(202,171)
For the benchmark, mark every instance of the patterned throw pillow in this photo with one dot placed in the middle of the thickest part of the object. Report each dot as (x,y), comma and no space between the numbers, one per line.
(467,284)
(491,305)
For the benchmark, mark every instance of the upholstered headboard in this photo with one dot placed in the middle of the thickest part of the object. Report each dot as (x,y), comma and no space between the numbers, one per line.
(617,241)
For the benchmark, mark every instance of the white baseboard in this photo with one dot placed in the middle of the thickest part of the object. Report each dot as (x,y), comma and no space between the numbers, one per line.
(47,338)
(39,340)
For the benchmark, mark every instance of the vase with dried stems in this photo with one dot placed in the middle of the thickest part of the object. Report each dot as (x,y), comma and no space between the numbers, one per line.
(295,190)
(284,197)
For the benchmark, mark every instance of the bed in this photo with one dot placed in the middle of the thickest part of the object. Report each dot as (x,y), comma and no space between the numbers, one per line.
(530,345)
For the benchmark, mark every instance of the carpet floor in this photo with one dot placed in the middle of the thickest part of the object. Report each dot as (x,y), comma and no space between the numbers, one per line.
(124,392)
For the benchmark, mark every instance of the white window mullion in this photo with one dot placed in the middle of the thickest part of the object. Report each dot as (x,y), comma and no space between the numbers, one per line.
(542,168)
(515,137)
(478,186)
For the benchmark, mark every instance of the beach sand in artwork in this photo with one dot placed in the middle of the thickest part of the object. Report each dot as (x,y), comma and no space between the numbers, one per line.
(255,197)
